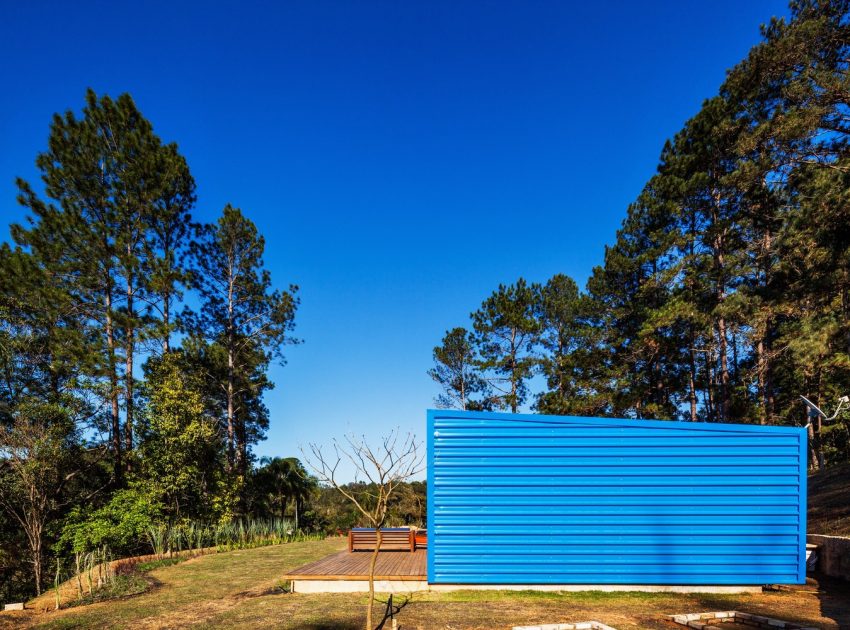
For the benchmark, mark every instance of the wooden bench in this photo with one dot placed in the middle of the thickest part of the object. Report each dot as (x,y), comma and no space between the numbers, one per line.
(392,539)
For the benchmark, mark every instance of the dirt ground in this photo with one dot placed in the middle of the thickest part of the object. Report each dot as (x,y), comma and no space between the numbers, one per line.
(829,501)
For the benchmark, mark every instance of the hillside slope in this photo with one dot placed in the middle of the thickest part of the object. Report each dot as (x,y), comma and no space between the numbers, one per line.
(243,589)
(829,501)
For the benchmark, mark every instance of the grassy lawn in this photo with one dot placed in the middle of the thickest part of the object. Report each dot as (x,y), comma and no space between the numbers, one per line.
(243,589)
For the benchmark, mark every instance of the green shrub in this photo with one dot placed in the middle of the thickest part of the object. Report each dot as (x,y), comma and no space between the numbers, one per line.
(120,525)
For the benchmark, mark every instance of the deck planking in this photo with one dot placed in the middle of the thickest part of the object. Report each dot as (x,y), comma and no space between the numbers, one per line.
(347,565)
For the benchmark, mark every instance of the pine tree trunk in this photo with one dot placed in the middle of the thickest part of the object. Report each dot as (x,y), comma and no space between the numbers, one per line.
(113,394)
(764,349)
(723,403)
(813,452)
(692,378)
(770,403)
(760,368)
(765,381)
(709,388)
(818,425)
(559,367)
(659,393)
(129,346)
(463,387)
(733,376)
(718,245)
(818,443)
(692,368)
(241,448)
(231,375)
(230,408)
(166,322)
(513,371)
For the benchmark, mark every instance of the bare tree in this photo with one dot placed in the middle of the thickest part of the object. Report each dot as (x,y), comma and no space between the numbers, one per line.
(397,459)
(40,455)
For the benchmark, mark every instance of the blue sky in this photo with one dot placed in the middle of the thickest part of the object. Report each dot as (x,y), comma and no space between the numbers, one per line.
(401,158)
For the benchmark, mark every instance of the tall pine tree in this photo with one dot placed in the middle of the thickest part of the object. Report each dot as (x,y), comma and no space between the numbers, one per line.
(246,319)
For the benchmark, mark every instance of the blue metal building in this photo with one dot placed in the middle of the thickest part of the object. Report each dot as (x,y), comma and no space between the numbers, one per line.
(532,499)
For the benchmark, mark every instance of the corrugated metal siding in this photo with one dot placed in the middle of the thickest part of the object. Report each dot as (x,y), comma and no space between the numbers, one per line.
(529,499)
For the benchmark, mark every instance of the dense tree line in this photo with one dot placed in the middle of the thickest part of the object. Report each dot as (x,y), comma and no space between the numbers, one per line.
(331,512)
(134,347)
(726,293)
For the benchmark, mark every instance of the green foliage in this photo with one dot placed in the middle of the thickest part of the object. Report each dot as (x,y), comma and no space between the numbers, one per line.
(119,525)
(108,237)
(455,372)
(330,512)
(91,286)
(246,323)
(567,348)
(194,536)
(41,456)
(280,487)
(506,328)
(180,461)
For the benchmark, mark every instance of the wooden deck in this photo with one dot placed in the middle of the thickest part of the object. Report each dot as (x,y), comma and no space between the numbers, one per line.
(346,565)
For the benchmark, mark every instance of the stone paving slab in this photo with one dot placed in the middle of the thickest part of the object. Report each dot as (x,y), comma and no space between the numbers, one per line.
(584,625)
(715,621)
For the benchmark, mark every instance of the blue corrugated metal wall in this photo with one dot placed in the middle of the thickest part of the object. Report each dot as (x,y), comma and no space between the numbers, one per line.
(530,499)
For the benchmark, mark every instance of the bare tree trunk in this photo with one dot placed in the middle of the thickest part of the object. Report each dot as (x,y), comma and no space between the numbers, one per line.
(379,535)
(34,527)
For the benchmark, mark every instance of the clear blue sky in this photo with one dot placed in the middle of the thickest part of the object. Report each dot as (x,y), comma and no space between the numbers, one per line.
(401,158)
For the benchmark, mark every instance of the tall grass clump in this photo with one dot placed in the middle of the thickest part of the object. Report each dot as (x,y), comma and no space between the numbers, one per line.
(157,536)
(194,536)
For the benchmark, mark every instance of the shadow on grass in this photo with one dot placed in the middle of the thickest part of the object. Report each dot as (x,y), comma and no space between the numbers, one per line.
(331,625)
(834,597)
(392,610)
